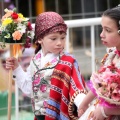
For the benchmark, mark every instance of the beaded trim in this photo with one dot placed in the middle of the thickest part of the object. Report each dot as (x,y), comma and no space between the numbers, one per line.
(70,106)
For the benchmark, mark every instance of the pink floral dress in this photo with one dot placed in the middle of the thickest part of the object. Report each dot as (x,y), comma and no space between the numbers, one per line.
(107,61)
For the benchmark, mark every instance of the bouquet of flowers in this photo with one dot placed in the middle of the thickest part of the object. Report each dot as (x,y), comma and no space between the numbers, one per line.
(106,83)
(15,28)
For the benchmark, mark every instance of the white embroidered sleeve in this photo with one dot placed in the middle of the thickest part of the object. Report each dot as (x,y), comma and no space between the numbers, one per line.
(23,80)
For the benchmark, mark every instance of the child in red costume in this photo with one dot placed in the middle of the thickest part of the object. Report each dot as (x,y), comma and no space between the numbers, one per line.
(53,80)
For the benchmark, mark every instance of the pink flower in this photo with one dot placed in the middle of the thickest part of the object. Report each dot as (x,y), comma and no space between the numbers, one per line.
(45,103)
(54,60)
(96,77)
(115,95)
(8,14)
(107,83)
(17,35)
(112,86)
(106,75)
(43,87)
(102,69)
(37,81)
(38,56)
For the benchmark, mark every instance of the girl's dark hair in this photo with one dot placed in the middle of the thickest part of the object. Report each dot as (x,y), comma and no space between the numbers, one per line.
(114,14)
(38,46)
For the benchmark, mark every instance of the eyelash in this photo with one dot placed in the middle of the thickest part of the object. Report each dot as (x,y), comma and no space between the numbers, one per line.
(107,30)
(63,38)
(55,38)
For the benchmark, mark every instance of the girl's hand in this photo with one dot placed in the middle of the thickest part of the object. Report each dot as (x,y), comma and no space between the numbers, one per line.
(11,63)
(96,114)
(81,110)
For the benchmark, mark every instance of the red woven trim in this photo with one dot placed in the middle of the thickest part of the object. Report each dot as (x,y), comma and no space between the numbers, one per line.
(70,106)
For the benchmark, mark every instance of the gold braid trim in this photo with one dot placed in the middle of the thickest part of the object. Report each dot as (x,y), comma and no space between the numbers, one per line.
(104,59)
(70,106)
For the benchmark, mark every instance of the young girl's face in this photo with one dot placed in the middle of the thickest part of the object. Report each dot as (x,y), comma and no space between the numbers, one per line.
(53,43)
(109,35)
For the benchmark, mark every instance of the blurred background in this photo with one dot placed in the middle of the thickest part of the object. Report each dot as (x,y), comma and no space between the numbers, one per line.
(79,42)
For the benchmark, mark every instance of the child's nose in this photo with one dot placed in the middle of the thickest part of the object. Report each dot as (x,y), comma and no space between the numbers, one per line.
(59,42)
(102,34)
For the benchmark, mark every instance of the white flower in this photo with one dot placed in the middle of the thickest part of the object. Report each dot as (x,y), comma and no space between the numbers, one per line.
(21,27)
(7,36)
(6,10)
(31,34)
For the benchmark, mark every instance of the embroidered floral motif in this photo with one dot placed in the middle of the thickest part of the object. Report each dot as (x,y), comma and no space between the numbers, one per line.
(45,103)
(41,82)
(38,56)
(43,85)
(54,60)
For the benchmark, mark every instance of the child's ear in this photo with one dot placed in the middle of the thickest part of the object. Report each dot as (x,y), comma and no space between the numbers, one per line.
(40,41)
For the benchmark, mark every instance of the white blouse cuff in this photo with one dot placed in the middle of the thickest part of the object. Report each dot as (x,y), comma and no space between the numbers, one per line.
(18,72)
(79,98)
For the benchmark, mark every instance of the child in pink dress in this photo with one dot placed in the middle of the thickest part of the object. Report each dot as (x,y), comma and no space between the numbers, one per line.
(105,84)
